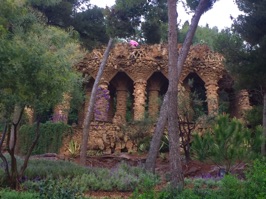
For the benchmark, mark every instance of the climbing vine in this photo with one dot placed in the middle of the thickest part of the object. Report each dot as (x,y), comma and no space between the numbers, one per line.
(50,141)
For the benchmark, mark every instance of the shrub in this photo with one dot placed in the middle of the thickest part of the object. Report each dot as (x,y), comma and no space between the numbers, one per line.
(232,188)
(59,189)
(11,194)
(225,144)
(73,148)
(255,185)
(50,141)
(121,178)
(39,168)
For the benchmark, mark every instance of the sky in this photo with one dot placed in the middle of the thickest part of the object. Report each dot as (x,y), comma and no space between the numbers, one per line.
(218,16)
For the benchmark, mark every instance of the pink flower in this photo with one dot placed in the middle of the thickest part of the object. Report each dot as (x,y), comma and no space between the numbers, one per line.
(133,43)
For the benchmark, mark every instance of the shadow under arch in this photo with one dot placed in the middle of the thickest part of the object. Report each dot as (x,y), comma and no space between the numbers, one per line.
(121,89)
(195,86)
(157,86)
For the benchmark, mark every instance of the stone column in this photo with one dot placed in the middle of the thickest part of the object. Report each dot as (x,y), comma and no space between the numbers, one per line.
(139,99)
(121,103)
(30,114)
(61,110)
(154,99)
(101,107)
(242,103)
(111,109)
(212,98)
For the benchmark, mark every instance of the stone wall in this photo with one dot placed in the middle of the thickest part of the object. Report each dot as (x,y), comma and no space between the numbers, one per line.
(104,137)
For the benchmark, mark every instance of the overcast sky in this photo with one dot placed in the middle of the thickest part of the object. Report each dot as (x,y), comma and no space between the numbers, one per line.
(218,16)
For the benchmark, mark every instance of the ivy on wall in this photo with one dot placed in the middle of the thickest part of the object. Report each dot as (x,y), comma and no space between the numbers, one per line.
(50,141)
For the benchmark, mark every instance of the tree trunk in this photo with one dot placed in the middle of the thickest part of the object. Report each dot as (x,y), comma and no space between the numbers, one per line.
(27,157)
(263,145)
(157,137)
(16,120)
(155,143)
(89,114)
(11,144)
(177,178)
(4,160)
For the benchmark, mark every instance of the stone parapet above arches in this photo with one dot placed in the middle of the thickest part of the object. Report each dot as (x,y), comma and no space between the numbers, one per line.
(142,62)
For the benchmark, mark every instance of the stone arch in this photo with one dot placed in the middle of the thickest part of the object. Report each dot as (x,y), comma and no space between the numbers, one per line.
(195,87)
(157,86)
(121,87)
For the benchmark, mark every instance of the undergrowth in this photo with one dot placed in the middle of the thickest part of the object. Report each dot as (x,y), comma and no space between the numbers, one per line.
(50,140)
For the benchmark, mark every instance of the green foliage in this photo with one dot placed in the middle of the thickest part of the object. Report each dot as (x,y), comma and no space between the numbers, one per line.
(244,45)
(73,148)
(255,185)
(152,32)
(77,94)
(44,3)
(192,4)
(203,35)
(61,188)
(11,194)
(41,169)
(2,177)
(50,141)
(121,178)
(148,193)
(225,144)
(124,17)
(154,28)
(164,147)
(256,139)
(138,131)
(91,26)
(253,117)
(35,60)
(144,144)
(230,187)
(249,24)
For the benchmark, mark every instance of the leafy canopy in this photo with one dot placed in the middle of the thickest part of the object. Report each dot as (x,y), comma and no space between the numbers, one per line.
(35,60)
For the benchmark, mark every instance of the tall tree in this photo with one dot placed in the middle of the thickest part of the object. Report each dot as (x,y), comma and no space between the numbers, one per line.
(36,68)
(203,35)
(91,27)
(87,20)
(154,26)
(202,6)
(247,61)
(177,178)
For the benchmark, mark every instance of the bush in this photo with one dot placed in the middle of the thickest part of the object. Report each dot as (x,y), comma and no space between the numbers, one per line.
(232,188)
(121,178)
(10,194)
(255,185)
(50,141)
(41,169)
(227,143)
(59,189)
